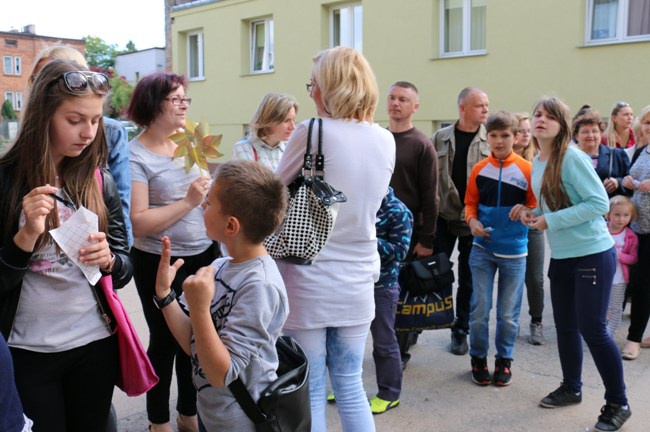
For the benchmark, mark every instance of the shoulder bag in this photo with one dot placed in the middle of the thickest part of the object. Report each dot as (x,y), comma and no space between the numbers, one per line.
(284,405)
(136,375)
(311,212)
(425,300)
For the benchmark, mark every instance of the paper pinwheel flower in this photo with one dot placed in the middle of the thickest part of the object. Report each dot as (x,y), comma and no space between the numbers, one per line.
(196,145)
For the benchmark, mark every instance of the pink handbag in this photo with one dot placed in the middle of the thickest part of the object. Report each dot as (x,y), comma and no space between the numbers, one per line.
(136,372)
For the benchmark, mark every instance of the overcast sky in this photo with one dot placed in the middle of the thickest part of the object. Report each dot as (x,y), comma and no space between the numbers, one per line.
(115,21)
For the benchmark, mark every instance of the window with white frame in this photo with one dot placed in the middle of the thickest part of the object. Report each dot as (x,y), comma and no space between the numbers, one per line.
(18,66)
(262,51)
(9,96)
(8,65)
(18,101)
(195,56)
(346,24)
(462,27)
(618,20)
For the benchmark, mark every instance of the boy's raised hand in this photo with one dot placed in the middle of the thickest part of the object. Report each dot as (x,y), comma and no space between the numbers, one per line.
(199,289)
(166,272)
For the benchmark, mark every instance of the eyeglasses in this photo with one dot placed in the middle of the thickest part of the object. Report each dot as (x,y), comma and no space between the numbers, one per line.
(78,81)
(524,131)
(310,87)
(622,104)
(177,101)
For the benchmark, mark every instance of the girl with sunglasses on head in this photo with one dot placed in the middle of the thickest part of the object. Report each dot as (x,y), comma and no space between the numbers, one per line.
(165,201)
(572,201)
(619,133)
(65,354)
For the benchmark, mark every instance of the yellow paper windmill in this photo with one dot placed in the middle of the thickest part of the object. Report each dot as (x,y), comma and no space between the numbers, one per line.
(196,145)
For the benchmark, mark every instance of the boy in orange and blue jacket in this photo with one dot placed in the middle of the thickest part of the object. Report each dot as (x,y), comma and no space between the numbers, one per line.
(496,185)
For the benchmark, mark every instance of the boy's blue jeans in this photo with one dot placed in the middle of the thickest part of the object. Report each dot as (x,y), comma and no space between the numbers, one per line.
(512,271)
(385,350)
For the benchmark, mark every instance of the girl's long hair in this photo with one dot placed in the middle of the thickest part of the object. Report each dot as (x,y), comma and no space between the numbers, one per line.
(30,160)
(552,191)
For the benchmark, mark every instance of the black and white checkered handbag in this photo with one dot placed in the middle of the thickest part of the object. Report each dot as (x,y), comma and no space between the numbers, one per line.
(311,213)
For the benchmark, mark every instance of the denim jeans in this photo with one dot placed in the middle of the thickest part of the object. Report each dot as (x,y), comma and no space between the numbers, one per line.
(580,289)
(338,350)
(510,291)
(535,274)
(385,350)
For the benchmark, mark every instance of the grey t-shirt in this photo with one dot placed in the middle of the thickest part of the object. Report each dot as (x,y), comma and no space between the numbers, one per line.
(168,182)
(248,310)
(57,309)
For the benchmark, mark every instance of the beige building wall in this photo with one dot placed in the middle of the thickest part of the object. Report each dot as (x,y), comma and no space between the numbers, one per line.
(533,48)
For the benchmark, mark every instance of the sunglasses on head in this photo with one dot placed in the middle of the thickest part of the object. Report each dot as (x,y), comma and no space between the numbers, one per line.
(78,81)
(622,104)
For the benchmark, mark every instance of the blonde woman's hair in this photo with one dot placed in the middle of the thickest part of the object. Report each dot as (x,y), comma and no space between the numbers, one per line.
(622,200)
(531,149)
(644,115)
(610,131)
(53,52)
(552,191)
(347,84)
(272,110)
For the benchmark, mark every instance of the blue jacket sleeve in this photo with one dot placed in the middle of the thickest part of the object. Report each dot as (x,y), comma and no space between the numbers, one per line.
(118,164)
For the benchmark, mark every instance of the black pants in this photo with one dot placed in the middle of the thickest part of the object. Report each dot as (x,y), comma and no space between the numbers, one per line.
(640,310)
(68,391)
(163,348)
(445,242)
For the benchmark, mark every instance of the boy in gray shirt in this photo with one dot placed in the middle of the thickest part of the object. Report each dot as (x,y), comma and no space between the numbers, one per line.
(232,312)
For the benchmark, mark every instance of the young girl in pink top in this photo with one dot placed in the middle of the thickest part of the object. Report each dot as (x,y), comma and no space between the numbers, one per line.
(621,212)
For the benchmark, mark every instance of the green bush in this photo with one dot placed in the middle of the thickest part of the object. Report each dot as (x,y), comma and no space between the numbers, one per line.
(7,111)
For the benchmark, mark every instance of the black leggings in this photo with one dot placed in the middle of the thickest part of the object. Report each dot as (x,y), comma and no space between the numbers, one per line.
(640,310)
(68,391)
(163,349)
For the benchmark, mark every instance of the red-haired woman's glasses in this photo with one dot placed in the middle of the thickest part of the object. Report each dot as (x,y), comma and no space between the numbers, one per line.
(78,81)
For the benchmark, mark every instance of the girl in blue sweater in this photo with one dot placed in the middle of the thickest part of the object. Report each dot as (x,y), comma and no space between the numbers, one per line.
(572,202)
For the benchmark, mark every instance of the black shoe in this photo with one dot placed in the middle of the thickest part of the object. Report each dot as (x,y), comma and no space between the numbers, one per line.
(480,372)
(459,342)
(405,359)
(612,417)
(502,374)
(562,396)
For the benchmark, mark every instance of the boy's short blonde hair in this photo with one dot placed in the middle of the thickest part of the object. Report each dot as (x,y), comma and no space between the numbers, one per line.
(254,195)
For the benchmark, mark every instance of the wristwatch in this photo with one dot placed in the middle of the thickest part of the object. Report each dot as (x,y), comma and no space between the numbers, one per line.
(165,301)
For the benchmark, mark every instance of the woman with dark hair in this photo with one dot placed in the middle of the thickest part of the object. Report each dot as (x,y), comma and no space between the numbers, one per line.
(611,164)
(64,350)
(165,201)
(572,202)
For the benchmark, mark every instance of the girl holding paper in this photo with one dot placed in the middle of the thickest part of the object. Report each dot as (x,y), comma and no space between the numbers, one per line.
(65,357)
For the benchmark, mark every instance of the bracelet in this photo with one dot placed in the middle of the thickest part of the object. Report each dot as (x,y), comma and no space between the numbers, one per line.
(109,269)
(165,301)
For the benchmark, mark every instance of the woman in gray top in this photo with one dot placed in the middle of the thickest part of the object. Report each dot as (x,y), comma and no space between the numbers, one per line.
(165,201)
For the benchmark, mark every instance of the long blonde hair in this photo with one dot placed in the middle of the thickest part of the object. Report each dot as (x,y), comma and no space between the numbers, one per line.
(531,150)
(552,191)
(610,131)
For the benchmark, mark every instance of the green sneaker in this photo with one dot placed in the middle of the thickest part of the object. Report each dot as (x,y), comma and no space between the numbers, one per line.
(330,397)
(380,406)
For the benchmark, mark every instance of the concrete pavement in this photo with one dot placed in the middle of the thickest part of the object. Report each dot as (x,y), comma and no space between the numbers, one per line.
(438,394)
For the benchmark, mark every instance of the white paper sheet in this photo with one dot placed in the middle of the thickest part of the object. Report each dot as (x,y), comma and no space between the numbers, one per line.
(73,234)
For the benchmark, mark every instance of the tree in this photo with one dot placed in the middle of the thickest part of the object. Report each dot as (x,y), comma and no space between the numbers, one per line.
(120,95)
(99,53)
(7,110)
(130,47)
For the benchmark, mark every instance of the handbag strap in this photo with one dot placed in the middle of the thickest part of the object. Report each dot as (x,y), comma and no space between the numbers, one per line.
(246,402)
(307,166)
